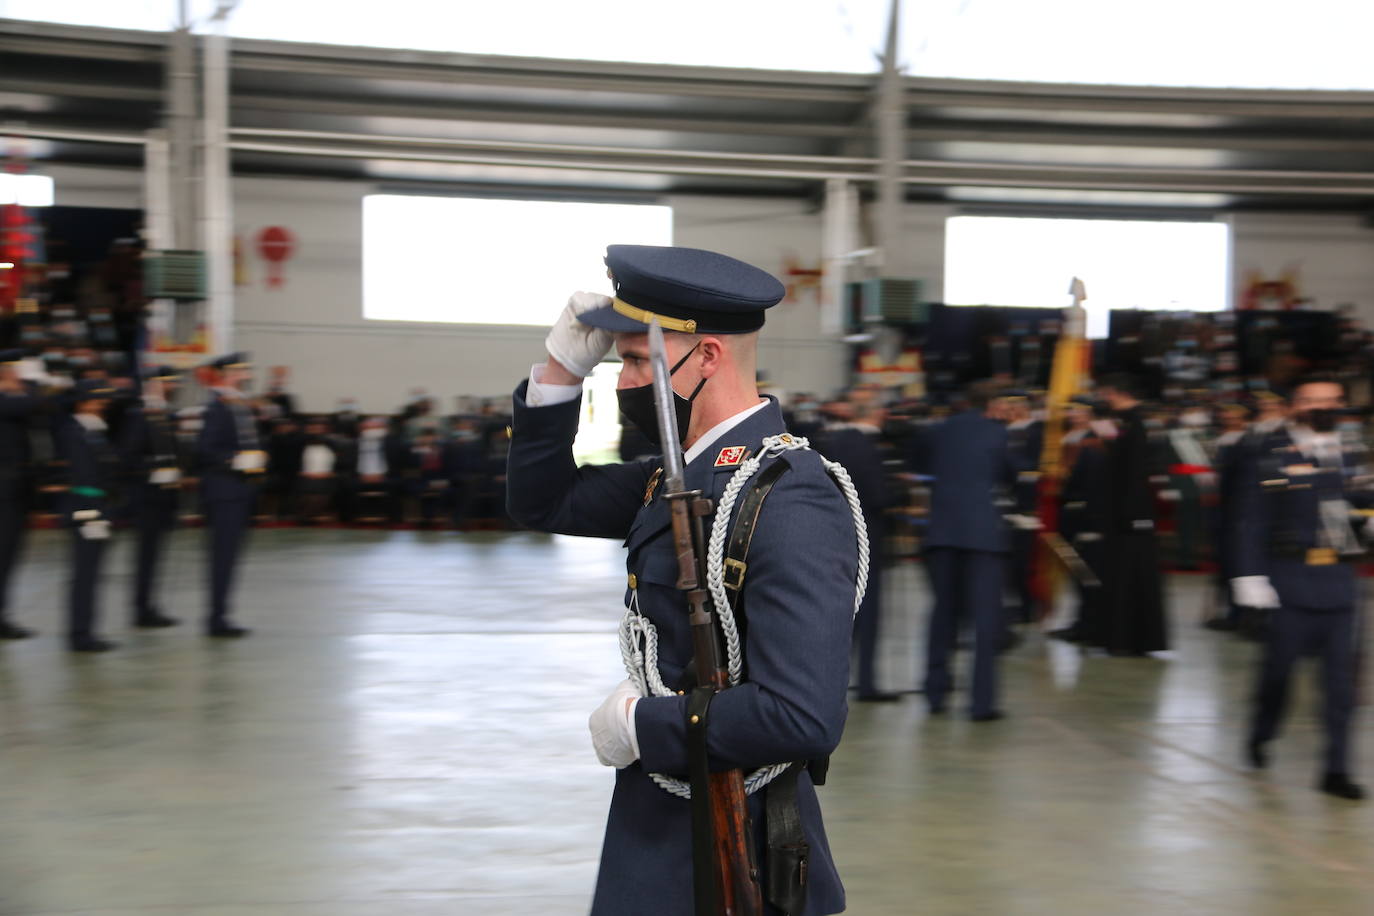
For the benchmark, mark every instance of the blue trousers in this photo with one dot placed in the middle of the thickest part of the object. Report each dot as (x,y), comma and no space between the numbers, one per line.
(1331,635)
(229,522)
(965,582)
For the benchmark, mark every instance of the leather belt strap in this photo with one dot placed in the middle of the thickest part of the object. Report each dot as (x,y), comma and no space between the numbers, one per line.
(746,521)
(788,852)
(706,894)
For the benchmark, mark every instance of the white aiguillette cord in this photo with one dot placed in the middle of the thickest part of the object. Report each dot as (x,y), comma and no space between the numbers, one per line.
(639,637)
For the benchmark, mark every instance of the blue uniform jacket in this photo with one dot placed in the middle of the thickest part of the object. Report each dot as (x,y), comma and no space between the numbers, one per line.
(15,410)
(216,446)
(92,466)
(1276,519)
(799,596)
(969,457)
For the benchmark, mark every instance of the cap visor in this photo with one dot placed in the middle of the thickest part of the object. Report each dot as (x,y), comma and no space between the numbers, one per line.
(608,319)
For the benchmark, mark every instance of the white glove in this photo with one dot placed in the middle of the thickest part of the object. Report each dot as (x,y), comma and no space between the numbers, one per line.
(164,476)
(1025,522)
(31,370)
(576,346)
(613,727)
(250,461)
(92,527)
(1254,591)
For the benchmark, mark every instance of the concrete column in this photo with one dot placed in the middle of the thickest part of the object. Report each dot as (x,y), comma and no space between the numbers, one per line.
(217,225)
(838,241)
(890,125)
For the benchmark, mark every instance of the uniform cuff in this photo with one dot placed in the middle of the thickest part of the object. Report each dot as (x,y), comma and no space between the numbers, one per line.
(541,394)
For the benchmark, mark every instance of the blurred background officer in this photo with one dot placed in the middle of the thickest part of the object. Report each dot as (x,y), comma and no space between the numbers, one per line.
(151,458)
(1134,622)
(92,467)
(19,401)
(966,547)
(1025,438)
(1083,518)
(855,444)
(231,461)
(1294,544)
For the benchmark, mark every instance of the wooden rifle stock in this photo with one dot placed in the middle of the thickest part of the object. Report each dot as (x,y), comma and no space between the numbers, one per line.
(735,876)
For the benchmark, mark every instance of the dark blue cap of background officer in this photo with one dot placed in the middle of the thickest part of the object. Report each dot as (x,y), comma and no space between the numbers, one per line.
(11,356)
(231,361)
(89,389)
(687,289)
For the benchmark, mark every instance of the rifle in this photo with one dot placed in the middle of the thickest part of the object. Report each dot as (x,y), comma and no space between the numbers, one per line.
(725,873)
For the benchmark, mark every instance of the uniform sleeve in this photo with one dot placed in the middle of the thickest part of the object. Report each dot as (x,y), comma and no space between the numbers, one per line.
(799,597)
(1250,519)
(13,406)
(547,491)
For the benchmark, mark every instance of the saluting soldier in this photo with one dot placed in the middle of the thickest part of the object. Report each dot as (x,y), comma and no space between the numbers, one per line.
(232,461)
(92,467)
(1294,547)
(799,582)
(149,448)
(19,401)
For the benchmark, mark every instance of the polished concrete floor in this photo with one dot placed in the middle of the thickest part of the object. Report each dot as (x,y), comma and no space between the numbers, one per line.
(406,734)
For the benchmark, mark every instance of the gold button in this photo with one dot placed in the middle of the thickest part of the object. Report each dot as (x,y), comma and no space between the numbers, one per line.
(634,581)
(681,692)
(696,719)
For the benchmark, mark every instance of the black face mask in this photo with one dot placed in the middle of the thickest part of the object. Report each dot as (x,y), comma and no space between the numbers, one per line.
(1320,420)
(637,404)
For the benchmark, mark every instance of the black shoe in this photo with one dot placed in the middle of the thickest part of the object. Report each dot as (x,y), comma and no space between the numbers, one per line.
(1068,634)
(878,696)
(10,630)
(1257,756)
(90,644)
(1222,625)
(1010,640)
(937,709)
(227,631)
(1339,785)
(992,715)
(154,620)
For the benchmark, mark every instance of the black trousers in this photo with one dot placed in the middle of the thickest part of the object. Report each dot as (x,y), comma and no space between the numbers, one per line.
(155,516)
(87,556)
(12,516)
(965,582)
(229,521)
(1331,635)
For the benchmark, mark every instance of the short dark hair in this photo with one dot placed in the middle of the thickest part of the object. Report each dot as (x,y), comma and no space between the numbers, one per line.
(1123,382)
(980,394)
(1315,378)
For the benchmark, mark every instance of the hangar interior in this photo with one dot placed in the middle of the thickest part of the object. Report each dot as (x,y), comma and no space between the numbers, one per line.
(405,732)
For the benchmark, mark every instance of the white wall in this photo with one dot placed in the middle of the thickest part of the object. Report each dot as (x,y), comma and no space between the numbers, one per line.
(314,322)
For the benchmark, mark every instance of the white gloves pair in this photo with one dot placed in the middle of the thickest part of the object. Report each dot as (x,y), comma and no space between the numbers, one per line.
(613,726)
(579,347)
(1254,591)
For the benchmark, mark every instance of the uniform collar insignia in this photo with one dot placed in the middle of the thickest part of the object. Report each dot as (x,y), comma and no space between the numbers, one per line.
(731,456)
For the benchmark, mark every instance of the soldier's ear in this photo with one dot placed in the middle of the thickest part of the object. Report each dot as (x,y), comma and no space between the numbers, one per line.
(712,355)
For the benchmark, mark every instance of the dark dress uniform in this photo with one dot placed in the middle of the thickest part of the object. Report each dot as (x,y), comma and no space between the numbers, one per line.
(1025,441)
(857,450)
(800,600)
(965,550)
(1083,519)
(228,496)
(151,457)
(1134,623)
(1291,524)
(92,467)
(16,409)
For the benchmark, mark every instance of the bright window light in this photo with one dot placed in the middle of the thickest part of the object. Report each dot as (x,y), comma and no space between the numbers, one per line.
(1125,264)
(26,190)
(482,261)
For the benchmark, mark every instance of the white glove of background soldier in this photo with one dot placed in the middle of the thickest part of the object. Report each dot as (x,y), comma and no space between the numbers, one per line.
(1254,591)
(613,727)
(576,346)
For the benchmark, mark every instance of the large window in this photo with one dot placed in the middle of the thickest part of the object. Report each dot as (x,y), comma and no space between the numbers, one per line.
(483,261)
(1125,264)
